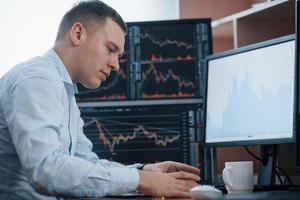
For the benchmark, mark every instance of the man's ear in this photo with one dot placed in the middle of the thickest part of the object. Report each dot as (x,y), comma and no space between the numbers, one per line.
(77,33)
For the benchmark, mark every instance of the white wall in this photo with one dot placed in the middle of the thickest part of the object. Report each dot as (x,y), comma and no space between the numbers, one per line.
(28,28)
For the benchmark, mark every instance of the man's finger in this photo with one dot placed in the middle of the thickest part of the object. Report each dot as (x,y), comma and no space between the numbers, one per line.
(188,184)
(186,168)
(185,175)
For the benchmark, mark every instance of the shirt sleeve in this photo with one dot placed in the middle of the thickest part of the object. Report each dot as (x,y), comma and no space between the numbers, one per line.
(35,120)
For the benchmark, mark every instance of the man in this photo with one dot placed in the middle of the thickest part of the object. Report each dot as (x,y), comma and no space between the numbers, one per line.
(43,151)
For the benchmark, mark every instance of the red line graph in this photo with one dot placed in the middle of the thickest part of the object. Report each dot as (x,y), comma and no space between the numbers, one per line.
(105,97)
(158,95)
(124,57)
(160,77)
(110,141)
(165,42)
(123,60)
(154,58)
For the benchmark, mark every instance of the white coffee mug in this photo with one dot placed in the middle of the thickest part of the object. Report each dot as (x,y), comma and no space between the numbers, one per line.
(238,176)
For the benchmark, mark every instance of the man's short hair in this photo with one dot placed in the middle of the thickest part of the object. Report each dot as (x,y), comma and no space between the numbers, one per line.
(89,13)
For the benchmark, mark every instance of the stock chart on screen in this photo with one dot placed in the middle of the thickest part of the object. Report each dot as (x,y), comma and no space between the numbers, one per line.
(142,133)
(162,60)
(150,109)
(251,85)
(168,63)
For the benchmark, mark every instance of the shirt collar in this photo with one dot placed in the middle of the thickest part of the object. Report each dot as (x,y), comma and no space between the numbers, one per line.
(62,71)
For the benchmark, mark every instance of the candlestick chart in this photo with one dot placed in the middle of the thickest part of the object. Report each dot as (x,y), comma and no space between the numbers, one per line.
(168,63)
(138,134)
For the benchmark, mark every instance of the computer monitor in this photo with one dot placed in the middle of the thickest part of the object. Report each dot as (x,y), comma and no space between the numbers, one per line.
(161,60)
(144,131)
(251,98)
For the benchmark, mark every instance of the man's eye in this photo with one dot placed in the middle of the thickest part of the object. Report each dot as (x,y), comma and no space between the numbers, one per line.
(110,49)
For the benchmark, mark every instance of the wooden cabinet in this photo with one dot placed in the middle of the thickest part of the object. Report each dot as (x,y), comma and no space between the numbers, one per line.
(263,21)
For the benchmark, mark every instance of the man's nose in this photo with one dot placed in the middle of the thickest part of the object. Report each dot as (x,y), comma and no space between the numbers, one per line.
(114,63)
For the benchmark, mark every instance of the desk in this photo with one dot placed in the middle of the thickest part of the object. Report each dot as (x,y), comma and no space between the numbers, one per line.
(274,195)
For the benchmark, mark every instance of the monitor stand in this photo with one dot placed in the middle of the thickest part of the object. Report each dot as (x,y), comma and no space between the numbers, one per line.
(267,170)
(266,176)
(267,167)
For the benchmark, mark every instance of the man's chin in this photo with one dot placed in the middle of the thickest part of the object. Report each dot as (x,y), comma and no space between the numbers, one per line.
(92,86)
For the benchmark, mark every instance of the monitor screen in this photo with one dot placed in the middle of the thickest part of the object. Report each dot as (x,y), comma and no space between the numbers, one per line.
(250,94)
(144,131)
(161,60)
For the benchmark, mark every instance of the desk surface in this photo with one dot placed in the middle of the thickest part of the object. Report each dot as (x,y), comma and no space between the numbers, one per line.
(274,195)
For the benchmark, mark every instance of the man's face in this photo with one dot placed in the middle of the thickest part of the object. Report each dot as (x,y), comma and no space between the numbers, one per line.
(99,54)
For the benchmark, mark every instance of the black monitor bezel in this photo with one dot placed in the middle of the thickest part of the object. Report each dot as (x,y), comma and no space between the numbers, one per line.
(171,21)
(296,96)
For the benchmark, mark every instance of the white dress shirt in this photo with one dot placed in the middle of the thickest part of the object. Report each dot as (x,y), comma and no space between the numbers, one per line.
(42,144)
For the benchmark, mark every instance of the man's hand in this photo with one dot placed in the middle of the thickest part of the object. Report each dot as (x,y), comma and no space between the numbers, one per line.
(174,184)
(170,166)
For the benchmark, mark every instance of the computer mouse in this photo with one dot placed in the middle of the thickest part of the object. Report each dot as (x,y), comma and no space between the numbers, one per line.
(206,192)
